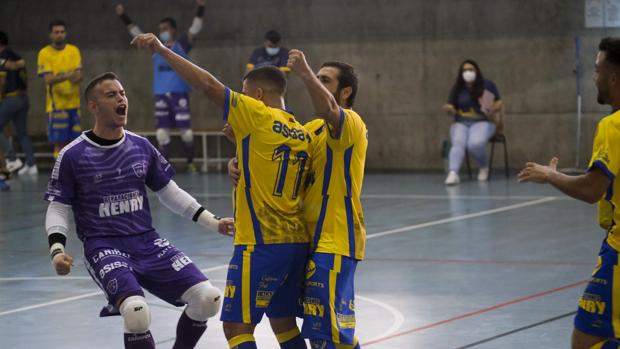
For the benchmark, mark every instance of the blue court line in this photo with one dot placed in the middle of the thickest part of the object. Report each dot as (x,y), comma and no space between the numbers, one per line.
(517,330)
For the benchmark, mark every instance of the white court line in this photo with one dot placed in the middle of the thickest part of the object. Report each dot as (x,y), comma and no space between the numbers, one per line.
(86,295)
(422,196)
(460,197)
(397,322)
(58,301)
(36,278)
(460,218)
(44,278)
(368,237)
(399,318)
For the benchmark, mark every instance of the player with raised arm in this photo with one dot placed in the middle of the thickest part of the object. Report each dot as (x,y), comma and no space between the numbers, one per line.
(271,243)
(339,232)
(597,321)
(172,110)
(332,205)
(102,177)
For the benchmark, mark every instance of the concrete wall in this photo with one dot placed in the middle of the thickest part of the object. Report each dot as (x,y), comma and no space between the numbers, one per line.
(406,52)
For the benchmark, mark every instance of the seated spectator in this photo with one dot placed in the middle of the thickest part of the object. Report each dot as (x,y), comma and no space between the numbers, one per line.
(270,54)
(475,104)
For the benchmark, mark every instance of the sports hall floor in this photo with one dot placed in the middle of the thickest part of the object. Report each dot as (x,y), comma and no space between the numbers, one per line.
(496,265)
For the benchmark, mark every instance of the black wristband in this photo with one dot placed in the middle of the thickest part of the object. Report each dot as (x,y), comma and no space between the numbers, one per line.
(56,238)
(125,19)
(197,214)
(200,11)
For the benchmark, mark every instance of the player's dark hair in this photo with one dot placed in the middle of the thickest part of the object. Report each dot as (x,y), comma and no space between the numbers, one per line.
(55,23)
(273,36)
(96,81)
(346,78)
(170,21)
(460,84)
(268,75)
(611,47)
(4,39)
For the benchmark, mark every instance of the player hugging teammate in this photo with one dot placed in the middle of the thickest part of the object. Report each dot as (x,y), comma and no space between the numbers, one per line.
(272,230)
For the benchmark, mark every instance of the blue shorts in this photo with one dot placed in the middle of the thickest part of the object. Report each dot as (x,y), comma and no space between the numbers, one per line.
(329,301)
(264,279)
(172,111)
(63,126)
(598,312)
(122,266)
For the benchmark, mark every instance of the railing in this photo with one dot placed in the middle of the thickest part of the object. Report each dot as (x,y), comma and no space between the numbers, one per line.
(205,160)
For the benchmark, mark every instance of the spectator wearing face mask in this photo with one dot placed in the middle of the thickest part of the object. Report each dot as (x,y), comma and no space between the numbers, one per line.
(172,108)
(475,104)
(271,54)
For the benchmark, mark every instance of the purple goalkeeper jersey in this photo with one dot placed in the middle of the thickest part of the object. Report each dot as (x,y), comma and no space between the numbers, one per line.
(106,185)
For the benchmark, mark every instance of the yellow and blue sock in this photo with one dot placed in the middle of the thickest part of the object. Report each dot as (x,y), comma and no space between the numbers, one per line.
(291,339)
(242,341)
(607,344)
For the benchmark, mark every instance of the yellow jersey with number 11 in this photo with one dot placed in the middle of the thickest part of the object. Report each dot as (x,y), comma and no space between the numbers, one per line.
(273,154)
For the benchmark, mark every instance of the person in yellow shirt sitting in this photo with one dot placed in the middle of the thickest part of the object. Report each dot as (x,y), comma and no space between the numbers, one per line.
(60,64)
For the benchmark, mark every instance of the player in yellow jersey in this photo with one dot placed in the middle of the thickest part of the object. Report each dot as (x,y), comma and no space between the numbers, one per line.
(597,323)
(60,64)
(271,243)
(332,206)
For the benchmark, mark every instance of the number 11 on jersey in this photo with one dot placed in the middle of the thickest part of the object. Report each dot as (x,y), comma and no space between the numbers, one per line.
(282,154)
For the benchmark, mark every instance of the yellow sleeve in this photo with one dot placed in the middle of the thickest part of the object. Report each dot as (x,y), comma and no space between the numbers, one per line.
(606,149)
(352,128)
(243,113)
(77,58)
(44,65)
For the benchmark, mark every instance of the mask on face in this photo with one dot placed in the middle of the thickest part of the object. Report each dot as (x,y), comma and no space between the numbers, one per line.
(272,51)
(469,76)
(164,37)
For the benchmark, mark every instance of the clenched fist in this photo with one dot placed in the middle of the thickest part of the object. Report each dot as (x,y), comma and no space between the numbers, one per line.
(227,227)
(148,41)
(62,263)
(297,63)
